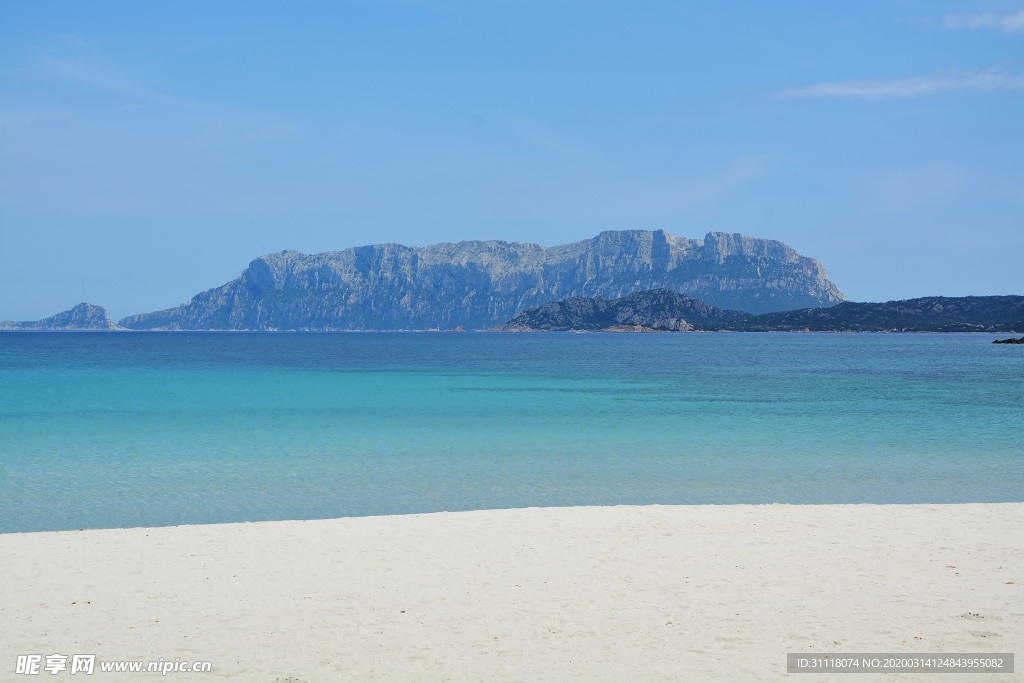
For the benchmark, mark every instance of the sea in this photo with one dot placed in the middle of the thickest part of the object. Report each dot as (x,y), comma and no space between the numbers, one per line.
(110,430)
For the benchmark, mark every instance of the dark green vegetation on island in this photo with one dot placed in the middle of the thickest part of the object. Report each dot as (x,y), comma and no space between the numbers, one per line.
(656,310)
(663,310)
(1009,341)
(927,314)
(477,285)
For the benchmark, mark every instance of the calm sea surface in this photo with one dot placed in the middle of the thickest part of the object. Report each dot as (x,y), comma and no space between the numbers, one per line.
(119,430)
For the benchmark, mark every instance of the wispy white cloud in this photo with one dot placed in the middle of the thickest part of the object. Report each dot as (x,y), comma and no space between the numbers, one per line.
(19,114)
(209,122)
(110,79)
(1007,23)
(915,86)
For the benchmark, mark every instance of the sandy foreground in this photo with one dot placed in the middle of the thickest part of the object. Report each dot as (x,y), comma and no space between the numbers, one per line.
(653,593)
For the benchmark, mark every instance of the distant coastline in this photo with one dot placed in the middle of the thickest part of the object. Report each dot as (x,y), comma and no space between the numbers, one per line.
(618,281)
(667,311)
(662,311)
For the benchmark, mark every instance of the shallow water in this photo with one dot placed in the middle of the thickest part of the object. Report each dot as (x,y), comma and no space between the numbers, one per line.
(118,430)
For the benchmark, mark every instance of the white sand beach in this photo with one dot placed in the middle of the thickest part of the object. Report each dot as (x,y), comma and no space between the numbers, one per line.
(654,593)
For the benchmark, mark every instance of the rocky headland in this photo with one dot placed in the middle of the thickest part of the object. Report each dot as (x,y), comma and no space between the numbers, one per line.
(477,285)
(83,317)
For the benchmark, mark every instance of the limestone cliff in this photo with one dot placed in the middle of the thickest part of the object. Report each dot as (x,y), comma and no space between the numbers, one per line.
(477,285)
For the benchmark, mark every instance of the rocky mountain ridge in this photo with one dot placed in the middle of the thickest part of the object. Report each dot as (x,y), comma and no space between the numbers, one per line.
(479,284)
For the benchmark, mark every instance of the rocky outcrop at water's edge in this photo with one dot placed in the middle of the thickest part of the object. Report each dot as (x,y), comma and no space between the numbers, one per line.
(83,317)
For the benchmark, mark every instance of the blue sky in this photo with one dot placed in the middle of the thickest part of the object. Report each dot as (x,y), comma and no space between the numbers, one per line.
(148,151)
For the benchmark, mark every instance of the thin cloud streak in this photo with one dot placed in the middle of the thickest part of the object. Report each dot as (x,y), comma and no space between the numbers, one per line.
(218,123)
(104,78)
(1007,23)
(985,81)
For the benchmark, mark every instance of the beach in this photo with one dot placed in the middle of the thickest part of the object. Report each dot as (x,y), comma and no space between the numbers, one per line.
(648,593)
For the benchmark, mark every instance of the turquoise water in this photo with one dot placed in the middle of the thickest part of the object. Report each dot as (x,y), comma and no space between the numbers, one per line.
(118,430)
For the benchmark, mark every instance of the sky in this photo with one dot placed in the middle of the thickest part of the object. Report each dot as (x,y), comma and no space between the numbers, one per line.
(149,151)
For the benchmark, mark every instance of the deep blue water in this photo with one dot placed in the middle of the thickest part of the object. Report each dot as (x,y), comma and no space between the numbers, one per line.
(118,430)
